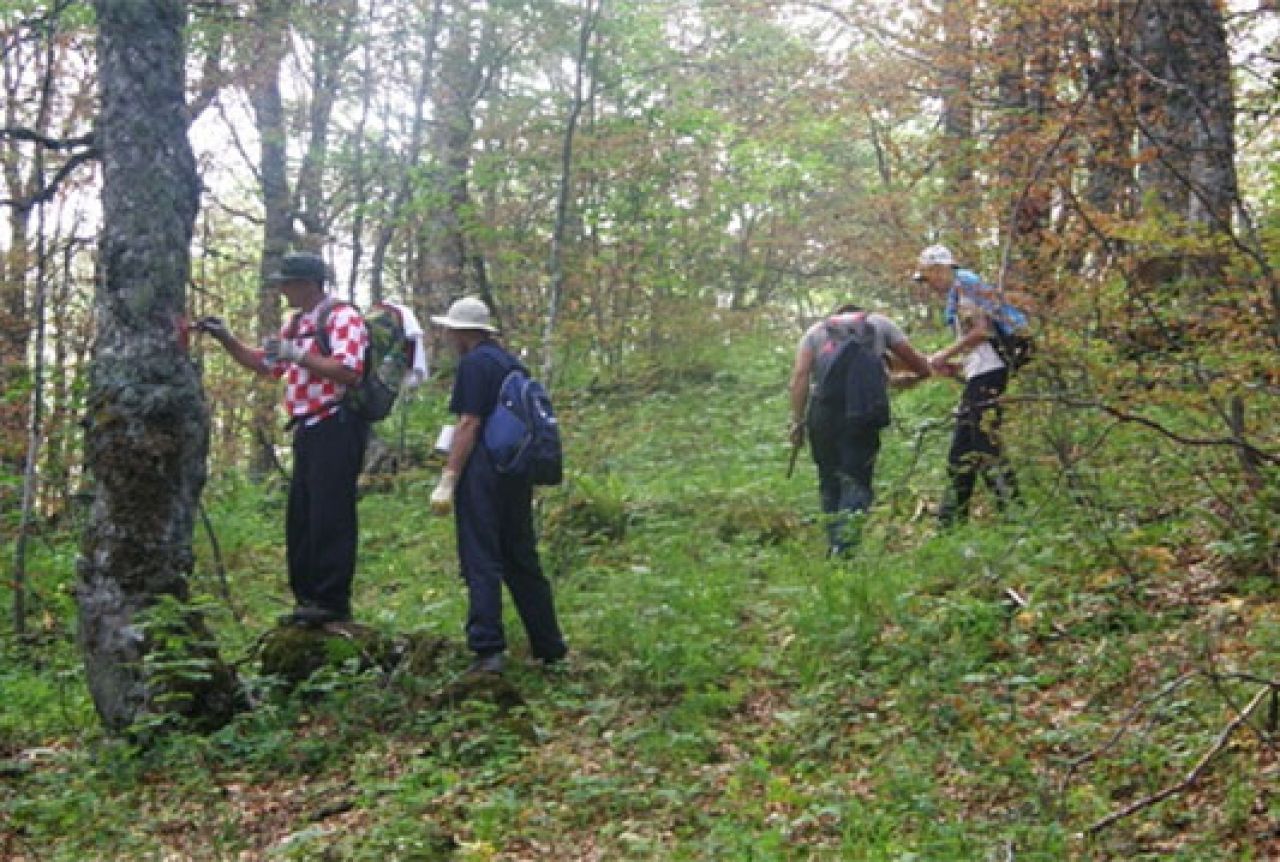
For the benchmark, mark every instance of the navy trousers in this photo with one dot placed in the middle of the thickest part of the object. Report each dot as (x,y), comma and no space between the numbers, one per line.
(846,462)
(493,516)
(321,527)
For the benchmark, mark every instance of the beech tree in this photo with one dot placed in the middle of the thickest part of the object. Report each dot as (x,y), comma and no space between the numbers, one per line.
(147,427)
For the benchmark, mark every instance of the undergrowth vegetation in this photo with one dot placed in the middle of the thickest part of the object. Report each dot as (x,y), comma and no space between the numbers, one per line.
(994,692)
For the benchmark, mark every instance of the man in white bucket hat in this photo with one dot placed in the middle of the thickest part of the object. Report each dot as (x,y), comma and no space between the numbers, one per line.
(493,513)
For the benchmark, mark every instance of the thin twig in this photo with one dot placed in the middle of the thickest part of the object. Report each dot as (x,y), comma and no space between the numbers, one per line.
(217,561)
(1196,771)
(1169,689)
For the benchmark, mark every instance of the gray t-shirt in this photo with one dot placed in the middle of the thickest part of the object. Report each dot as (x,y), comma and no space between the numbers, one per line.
(887,334)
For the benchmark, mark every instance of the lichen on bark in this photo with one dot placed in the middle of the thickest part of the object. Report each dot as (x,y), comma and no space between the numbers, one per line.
(146,426)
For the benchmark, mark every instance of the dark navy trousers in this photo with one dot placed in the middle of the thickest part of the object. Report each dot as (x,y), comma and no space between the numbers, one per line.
(493,515)
(976,449)
(321,527)
(846,461)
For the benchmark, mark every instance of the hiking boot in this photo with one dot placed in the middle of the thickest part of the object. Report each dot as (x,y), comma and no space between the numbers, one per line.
(493,663)
(310,616)
(551,662)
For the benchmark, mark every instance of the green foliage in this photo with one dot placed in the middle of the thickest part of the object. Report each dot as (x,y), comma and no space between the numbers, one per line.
(730,692)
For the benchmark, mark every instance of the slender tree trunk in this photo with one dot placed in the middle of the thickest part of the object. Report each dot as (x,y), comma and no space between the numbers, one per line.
(29,477)
(392,219)
(15,332)
(330,32)
(957,125)
(443,249)
(591,10)
(147,426)
(1108,189)
(23,51)
(263,62)
(359,175)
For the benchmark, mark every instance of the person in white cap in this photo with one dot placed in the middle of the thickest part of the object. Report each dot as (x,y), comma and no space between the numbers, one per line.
(976,448)
(493,512)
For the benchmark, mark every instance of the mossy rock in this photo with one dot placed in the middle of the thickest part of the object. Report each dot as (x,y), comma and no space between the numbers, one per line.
(420,654)
(293,653)
(484,687)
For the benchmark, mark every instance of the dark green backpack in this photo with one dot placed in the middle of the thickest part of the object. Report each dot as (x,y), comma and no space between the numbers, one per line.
(850,377)
(387,360)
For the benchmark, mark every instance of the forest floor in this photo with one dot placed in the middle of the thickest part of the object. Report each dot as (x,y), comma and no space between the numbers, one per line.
(1002,691)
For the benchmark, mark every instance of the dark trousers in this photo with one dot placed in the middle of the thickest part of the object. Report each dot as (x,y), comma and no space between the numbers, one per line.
(493,516)
(320,524)
(976,449)
(846,461)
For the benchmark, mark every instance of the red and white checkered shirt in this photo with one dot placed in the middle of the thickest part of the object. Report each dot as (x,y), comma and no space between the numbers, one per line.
(307,394)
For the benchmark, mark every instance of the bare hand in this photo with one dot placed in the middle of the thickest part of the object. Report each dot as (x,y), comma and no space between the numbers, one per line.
(796,434)
(940,365)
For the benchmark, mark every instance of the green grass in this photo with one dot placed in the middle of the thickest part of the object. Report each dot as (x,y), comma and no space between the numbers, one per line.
(731,694)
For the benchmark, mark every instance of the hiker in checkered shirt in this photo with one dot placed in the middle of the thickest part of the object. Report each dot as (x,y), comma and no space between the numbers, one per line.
(328,439)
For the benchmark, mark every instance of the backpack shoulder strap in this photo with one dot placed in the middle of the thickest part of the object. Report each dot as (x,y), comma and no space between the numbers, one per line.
(327,306)
(504,360)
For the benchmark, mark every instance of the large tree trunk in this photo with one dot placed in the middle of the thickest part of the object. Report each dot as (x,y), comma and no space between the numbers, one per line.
(1187,111)
(147,426)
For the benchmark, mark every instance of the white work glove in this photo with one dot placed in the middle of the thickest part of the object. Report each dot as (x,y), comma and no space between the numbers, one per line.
(442,496)
(215,326)
(287,350)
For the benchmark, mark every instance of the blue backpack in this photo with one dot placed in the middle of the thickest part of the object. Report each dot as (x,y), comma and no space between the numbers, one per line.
(522,435)
(1012,339)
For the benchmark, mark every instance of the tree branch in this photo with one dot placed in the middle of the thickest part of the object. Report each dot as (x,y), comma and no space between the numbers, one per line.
(1115,412)
(19,133)
(56,180)
(1196,771)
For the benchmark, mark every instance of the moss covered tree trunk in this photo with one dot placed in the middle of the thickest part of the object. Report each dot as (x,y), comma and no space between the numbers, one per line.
(147,428)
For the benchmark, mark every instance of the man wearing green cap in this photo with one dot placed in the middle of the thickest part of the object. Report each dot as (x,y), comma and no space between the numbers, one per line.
(328,440)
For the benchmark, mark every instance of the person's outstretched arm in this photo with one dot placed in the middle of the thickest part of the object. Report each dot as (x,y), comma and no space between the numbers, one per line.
(916,364)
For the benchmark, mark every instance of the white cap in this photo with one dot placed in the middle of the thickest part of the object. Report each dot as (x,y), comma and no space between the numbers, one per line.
(466,313)
(936,255)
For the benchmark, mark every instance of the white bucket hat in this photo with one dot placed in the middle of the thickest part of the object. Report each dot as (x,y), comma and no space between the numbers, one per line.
(466,313)
(936,255)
